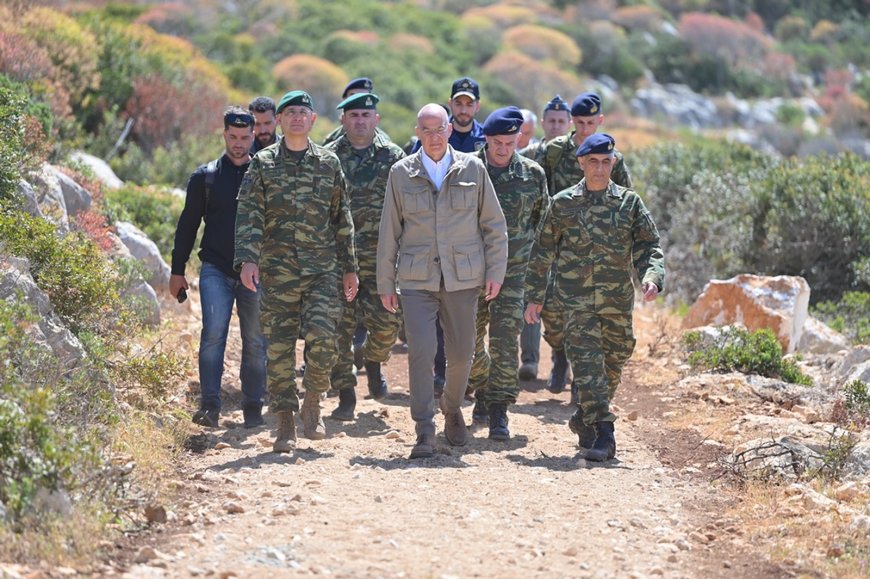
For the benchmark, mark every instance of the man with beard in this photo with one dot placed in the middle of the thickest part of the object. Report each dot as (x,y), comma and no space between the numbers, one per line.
(265,123)
(212,197)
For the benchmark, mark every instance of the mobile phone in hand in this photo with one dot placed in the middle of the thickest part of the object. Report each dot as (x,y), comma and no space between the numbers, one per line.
(182,295)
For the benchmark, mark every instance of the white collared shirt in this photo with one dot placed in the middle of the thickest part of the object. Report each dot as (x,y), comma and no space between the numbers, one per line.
(437,170)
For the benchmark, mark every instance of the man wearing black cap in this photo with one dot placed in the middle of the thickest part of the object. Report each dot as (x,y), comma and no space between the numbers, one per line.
(265,123)
(366,163)
(556,121)
(564,172)
(212,197)
(356,86)
(294,233)
(521,187)
(593,235)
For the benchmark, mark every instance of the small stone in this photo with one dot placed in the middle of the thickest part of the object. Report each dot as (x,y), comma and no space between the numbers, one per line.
(835,551)
(378,499)
(340,434)
(392,435)
(300,460)
(726,564)
(221,445)
(570,552)
(155,514)
(672,558)
(233,508)
(632,416)
(699,538)
(145,554)
(847,492)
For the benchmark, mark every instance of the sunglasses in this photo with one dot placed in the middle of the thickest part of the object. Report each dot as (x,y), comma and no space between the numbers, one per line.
(239,119)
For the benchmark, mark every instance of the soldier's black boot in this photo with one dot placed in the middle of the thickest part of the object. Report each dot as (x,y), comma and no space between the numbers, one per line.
(480,412)
(346,404)
(605,443)
(586,433)
(498,422)
(377,381)
(575,394)
(559,374)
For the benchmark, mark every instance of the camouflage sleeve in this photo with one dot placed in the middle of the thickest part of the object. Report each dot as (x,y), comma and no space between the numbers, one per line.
(543,255)
(250,216)
(493,229)
(342,223)
(620,174)
(541,203)
(389,234)
(646,250)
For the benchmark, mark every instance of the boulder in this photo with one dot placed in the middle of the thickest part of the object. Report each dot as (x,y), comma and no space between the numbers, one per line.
(817,338)
(784,456)
(756,302)
(49,197)
(145,250)
(49,333)
(28,198)
(101,170)
(854,366)
(76,198)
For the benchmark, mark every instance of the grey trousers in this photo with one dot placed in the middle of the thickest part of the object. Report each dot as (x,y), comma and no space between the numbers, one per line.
(457,311)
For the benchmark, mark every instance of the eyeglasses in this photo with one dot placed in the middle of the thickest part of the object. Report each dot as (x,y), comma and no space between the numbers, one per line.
(439,132)
(239,119)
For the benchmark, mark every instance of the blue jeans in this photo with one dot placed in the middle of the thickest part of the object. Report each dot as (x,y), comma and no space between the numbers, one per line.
(217,293)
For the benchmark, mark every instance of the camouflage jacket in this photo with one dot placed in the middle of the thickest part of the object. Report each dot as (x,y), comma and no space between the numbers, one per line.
(592,241)
(295,216)
(522,193)
(535,151)
(563,171)
(366,182)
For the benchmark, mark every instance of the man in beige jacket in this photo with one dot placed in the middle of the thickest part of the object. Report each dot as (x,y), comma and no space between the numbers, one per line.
(442,237)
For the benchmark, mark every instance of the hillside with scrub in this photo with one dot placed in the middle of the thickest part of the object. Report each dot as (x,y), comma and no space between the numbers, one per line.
(746,126)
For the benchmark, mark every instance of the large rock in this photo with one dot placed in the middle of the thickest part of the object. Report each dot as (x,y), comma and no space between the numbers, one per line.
(76,198)
(101,170)
(145,250)
(817,338)
(28,198)
(854,366)
(676,103)
(49,333)
(49,197)
(756,302)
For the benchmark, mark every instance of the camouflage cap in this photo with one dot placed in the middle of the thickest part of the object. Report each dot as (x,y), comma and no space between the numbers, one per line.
(503,121)
(298,98)
(586,104)
(596,144)
(363,83)
(362,100)
(556,103)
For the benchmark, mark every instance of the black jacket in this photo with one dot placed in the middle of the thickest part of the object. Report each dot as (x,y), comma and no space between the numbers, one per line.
(220,218)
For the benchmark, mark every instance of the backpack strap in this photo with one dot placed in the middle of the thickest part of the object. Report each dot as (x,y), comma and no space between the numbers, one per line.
(211,171)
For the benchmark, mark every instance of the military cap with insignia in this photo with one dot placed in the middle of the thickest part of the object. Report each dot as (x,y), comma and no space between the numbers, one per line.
(503,121)
(295,98)
(557,103)
(362,100)
(596,144)
(586,104)
(465,86)
(363,83)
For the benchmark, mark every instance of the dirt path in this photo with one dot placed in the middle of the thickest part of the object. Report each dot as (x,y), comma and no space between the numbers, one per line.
(353,505)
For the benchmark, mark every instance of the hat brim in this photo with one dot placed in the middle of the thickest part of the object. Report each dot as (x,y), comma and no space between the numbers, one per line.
(466,93)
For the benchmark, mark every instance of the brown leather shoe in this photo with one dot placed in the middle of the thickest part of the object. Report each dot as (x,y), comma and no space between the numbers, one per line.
(455,429)
(425,447)
(312,423)
(285,440)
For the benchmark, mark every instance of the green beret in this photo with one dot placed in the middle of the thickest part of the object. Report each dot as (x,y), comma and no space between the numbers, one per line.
(360,100)
(298,98)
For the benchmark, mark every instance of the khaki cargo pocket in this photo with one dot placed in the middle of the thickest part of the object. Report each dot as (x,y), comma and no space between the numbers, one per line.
(463,196)
(416,200)
(414,263)
(468,261)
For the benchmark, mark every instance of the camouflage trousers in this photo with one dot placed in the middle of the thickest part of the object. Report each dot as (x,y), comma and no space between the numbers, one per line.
(598,346)
(309,307)
(551,319)
(493,375)
(382,329)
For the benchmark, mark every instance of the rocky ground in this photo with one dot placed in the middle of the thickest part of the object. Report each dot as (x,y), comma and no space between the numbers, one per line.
(354,505)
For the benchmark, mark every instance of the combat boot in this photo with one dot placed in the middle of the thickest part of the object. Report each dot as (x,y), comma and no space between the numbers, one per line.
(377,381)
(498,422)
(285,440)
(480,413)
(346,404)
(585,432)
(559,373)
(604,447)
(575,394)
(312,423)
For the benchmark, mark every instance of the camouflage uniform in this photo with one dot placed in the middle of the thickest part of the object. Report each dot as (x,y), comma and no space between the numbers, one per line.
(534,151)
(592,241)
(522,192)
(366,180)
(564,172)
(294,222)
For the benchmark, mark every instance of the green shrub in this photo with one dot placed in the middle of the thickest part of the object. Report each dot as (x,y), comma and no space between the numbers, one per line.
(849,316)
(738,350)
(170,166)
(12,103)
(82,286)
(154,210)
